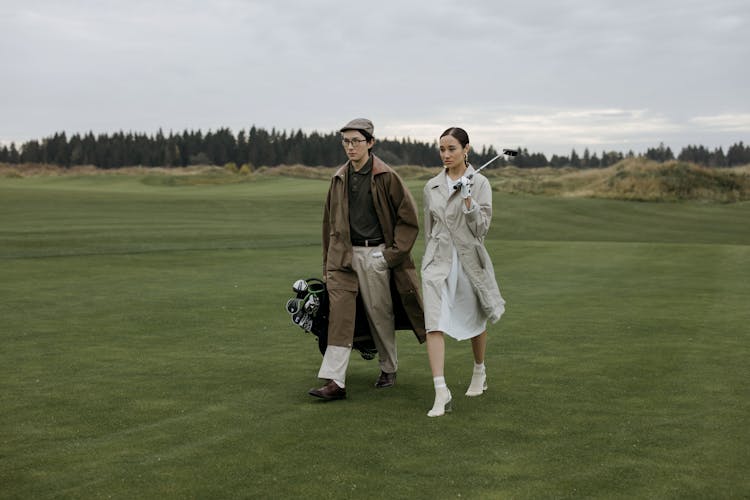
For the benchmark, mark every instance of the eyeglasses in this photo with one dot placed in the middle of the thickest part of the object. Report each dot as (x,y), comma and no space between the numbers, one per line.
(352,142)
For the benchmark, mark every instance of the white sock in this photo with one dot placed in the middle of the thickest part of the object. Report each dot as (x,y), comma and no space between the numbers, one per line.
(479,368)
(439,382)
(338,383)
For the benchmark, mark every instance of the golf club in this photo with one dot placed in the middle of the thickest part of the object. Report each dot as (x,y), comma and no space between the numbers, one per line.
(508,152)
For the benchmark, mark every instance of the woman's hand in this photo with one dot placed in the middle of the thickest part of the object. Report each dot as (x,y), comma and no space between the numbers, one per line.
(466,184)
(465,187)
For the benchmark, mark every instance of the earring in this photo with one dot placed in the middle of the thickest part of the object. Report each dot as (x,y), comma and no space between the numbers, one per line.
(466,158)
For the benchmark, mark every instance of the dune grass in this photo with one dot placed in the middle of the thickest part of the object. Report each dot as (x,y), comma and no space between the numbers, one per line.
(632,179)
(146,352)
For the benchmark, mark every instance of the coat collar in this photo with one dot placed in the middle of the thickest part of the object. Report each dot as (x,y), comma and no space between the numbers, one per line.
(439,179)
(378,167)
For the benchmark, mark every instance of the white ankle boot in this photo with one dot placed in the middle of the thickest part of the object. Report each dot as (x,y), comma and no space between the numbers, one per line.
(442,403)
(478,384)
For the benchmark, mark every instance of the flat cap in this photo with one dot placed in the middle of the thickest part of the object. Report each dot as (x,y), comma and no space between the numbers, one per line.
(359,124)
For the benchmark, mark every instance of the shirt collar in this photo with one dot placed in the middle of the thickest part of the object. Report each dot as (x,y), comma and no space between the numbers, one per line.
(365,170)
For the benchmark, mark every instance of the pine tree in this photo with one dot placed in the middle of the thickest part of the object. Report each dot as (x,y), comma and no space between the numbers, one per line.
(559,161)
(717,158)
(738,154)
(13,155)
(575,161)
(31,152)
(586,160)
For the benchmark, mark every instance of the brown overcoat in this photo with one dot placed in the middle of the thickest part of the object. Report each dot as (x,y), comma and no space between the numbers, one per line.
(397,214)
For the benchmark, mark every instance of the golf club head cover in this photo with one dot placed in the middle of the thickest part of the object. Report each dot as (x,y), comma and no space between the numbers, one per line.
(300,288)
(312,304)
(295,305)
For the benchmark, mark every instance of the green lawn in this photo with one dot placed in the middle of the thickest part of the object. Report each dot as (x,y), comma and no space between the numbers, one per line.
(145,353)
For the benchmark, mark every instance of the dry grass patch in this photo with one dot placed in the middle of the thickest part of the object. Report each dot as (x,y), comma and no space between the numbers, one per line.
(408,172)
(41,169)
(299,171)
(671,181)
(632,179)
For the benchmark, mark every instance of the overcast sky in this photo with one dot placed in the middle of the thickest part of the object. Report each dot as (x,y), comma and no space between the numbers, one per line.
(545,75)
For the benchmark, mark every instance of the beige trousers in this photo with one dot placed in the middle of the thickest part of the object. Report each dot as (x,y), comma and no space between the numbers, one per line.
(374,278)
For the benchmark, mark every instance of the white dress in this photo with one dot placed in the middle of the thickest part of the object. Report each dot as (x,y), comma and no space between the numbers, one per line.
(461,314)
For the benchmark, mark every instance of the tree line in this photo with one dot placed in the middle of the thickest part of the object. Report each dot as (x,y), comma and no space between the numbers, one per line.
(259,147)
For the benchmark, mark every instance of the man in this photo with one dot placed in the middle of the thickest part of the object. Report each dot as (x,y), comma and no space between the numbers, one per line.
(370,224)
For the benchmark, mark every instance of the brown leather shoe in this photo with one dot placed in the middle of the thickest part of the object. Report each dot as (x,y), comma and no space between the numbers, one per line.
(329,392)
(386,380)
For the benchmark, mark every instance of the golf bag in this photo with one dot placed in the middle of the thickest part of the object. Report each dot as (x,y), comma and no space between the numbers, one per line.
(309,310)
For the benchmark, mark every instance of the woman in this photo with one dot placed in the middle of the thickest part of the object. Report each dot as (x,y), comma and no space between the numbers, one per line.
(458,280)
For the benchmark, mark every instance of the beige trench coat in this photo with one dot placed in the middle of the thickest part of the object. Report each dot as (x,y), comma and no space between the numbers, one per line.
(446,224)
(397,214)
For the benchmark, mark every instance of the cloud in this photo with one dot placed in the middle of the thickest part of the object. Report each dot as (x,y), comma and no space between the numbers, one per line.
(739,122)
(549,130)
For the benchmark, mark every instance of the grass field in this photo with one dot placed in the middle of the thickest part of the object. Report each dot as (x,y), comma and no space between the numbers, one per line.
(145,352)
